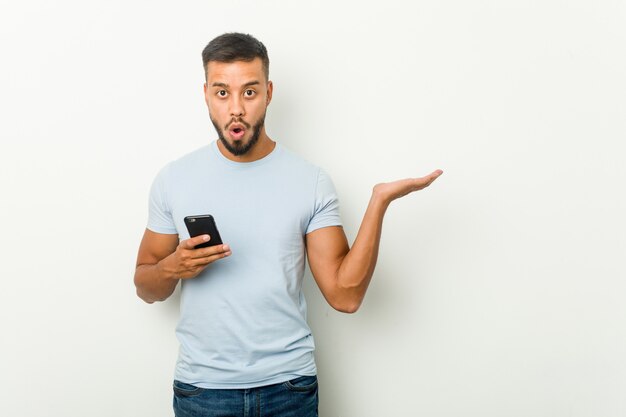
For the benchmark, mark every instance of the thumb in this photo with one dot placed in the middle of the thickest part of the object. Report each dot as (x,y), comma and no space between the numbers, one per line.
(191,243)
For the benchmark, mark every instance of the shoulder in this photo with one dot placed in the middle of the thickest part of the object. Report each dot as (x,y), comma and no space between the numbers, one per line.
(297,162)
(172,172)
(316,172)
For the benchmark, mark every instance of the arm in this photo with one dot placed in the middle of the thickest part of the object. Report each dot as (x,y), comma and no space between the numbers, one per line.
(162,262)
(343,274)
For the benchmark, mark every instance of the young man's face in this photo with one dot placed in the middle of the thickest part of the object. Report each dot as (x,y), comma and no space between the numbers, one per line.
(237,95)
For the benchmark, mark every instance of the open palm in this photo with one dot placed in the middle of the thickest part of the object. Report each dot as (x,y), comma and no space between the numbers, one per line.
(390,191)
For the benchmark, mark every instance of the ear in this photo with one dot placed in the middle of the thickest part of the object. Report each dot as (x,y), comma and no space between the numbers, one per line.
(270,89)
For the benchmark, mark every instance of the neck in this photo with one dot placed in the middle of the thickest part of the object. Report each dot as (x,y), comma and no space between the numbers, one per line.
(261,149)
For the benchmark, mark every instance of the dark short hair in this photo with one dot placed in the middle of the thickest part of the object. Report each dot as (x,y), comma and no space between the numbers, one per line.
(231,47)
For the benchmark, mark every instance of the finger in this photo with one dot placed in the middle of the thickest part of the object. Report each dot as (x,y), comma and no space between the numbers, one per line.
(428,179)
(433,175)
(210,251)
(191,243)
(436,173)
(193,271)
(201,262)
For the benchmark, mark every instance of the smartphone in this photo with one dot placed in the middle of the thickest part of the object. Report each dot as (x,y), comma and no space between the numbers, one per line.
(203,225)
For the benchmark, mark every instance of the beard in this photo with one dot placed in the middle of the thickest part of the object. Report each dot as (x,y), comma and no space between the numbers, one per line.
(240,147)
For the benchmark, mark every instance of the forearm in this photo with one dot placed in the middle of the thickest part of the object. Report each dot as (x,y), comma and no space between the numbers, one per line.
(357,267)
(154,283)
(343,274)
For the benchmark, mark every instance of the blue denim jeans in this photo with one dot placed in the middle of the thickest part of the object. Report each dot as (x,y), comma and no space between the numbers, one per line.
(295,398)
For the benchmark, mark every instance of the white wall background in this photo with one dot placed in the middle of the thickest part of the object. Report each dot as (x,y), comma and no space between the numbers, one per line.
(499,290)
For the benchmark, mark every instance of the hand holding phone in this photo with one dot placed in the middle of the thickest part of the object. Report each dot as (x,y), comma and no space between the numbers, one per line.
(193,255)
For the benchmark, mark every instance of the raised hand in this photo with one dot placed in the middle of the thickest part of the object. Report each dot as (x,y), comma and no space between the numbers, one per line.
(390,191)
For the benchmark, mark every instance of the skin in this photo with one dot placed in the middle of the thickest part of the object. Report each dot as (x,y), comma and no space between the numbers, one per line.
(239,91)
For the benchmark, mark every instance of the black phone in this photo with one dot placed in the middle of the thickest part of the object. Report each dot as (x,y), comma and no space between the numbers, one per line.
(203,225)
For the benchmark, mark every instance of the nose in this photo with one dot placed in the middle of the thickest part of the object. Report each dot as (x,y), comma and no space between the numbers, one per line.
(236,107)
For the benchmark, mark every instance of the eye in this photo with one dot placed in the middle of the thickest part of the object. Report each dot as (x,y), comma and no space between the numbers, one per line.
(222,93)
(249,93)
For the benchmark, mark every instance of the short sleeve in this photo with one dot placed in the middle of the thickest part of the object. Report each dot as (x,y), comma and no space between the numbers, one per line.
(160,218)
(326,210)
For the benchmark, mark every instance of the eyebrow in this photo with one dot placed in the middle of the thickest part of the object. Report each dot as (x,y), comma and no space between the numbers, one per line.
(224,85)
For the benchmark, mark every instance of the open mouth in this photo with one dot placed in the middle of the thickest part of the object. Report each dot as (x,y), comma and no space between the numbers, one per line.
(236,132)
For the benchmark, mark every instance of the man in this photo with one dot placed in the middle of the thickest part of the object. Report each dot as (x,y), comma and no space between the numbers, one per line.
(245,346)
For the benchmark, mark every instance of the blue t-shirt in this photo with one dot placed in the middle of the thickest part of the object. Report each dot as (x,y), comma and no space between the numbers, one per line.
(243,319)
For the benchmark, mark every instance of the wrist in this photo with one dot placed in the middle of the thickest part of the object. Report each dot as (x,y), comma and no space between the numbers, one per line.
(166,273)
(380,198)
